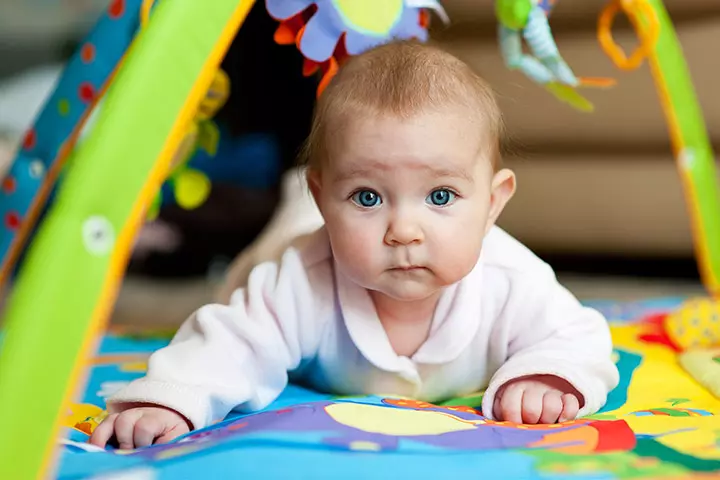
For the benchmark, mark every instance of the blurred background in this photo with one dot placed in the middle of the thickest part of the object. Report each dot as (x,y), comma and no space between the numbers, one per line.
(599,196)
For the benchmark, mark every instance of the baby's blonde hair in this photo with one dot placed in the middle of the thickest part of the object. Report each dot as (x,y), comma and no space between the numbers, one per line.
(403,78)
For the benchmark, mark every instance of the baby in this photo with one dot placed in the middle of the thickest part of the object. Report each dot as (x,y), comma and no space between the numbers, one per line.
(409,289)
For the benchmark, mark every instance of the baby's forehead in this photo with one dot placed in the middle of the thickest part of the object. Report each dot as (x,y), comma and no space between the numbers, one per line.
(360,108)
(429,131)
(349,121)
(418,154)
(450,132)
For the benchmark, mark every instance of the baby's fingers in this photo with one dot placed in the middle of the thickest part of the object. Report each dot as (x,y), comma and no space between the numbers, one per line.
(509,407)
(103,432)
(532,405)
(145,431)
(173,433)
(571,407)
(552,407)
(125,427)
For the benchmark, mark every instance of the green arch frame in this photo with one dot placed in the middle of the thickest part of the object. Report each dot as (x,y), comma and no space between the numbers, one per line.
(77,261)
(691,145)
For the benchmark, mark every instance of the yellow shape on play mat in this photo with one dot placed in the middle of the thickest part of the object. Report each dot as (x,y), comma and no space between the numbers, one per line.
(391,421)
(659,376)
(695,436)
(373,17)
(79,412)
(658,383)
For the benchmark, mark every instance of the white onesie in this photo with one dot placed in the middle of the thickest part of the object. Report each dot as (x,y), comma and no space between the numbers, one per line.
(299,319)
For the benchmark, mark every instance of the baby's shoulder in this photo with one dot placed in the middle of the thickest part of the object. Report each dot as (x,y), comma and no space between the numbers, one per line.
(306,260)
(312,250)
(504,254)
(304,265)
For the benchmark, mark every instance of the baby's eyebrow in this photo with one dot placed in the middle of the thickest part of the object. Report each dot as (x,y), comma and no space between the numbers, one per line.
(349,173)
(454,172)
(377,168)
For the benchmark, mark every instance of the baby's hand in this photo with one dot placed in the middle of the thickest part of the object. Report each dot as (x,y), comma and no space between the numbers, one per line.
(536,399)
(140,426)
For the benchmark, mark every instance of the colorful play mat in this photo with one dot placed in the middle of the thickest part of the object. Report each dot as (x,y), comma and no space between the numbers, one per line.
(658,424)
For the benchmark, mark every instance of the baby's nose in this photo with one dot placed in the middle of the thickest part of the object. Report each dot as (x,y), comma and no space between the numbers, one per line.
(403,231)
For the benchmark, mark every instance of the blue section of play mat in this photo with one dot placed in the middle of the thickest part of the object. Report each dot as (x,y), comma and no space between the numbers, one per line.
(310,435)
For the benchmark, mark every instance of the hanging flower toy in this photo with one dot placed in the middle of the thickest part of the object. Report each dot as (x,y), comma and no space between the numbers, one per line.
(327,32)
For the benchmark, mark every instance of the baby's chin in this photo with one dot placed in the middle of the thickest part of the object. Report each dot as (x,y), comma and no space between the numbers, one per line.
(409,296)
(403,286)
(407,291)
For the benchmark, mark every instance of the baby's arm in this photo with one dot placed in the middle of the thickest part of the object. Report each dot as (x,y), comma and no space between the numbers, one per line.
(559,355)
(230,356)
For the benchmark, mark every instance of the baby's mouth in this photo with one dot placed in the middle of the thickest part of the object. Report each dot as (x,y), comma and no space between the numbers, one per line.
(407,268)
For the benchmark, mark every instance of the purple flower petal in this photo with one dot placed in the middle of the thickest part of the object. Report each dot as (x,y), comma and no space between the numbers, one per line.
(322,34)
(409,26)
(284,9)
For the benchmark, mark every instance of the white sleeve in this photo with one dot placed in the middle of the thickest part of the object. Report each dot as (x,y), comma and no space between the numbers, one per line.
(234,356)
(551,333)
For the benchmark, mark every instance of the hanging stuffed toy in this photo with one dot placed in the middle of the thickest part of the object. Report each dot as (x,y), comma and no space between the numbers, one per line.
(528,20)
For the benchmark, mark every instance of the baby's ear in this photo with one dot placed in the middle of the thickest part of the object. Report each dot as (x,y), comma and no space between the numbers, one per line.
(502,190)
(314,184)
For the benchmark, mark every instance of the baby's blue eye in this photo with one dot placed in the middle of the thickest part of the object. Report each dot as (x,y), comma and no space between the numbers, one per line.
(440,197)
(366,198)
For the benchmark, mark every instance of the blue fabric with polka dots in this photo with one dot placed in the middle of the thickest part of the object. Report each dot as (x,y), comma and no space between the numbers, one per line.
(83,79)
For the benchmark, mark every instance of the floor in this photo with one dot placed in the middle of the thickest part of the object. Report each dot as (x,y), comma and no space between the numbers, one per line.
(629,288)
(166,304)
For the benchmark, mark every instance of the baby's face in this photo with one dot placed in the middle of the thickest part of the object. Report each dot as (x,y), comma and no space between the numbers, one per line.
(407,202)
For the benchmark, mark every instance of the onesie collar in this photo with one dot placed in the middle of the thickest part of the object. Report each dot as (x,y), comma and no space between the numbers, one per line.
(455,323)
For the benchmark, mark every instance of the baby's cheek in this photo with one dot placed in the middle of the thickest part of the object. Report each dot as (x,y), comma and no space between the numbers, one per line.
(456,254)
(353,246)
